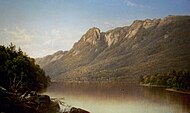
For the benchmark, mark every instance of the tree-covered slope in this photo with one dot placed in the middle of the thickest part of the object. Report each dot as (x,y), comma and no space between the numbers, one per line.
(20,81)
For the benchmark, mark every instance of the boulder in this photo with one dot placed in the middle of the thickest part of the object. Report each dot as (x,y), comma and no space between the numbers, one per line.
(45,105)
(78,110)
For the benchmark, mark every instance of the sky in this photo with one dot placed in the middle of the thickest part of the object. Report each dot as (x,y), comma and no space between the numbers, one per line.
(42,27)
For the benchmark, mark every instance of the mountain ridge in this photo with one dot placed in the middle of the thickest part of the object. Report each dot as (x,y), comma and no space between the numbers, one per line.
(124,53)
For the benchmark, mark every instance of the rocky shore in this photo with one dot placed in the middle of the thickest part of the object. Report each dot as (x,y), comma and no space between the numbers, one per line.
(31,103)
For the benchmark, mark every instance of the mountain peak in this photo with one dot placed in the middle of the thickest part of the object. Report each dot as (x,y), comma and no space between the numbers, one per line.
(150,23)
(123,54)
(94,28)
(92,35)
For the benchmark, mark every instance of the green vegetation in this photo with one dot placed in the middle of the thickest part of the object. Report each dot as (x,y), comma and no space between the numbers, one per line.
(172,79)
(20,79)
(19,73)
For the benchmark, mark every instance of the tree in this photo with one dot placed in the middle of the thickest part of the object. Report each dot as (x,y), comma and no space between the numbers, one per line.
(19,73)
(172,79)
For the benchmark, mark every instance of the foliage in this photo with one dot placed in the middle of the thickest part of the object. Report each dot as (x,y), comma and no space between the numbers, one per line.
(19,73)
(171,79)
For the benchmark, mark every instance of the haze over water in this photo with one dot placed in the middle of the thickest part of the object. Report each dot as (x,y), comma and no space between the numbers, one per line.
(120,98)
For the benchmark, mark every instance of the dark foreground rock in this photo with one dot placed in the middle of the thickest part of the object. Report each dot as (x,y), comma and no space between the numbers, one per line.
(13,103)
(32,103)
(46,105)
(77,110)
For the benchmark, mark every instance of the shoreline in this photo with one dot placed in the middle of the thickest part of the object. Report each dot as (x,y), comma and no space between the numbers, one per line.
(178,91)
(167,89)
(148,85)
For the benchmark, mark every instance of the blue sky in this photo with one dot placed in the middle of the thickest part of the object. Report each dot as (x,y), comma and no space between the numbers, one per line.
(41,27)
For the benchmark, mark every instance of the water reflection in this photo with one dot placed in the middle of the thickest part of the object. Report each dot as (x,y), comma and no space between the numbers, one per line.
(121,98)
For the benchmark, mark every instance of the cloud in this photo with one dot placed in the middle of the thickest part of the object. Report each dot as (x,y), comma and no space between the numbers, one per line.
(113,23)
(130,3)
(59,37)
(17,36)
(107,23)
(39,43)
(51,41)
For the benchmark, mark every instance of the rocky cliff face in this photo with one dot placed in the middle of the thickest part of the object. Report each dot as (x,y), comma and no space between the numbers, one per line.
(124,53)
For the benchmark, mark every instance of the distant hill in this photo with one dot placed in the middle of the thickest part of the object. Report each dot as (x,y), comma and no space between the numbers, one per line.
(124,53)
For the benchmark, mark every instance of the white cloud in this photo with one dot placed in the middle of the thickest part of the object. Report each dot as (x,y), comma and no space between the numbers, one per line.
(129,3)
(17,36)
(107,23)
(54,40)
(59,37)
(40,43)
(110,24)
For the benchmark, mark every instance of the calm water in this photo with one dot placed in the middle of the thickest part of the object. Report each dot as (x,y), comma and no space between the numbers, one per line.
(121,98)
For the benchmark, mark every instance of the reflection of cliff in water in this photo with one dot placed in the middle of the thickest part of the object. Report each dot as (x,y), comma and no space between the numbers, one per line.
(124,94)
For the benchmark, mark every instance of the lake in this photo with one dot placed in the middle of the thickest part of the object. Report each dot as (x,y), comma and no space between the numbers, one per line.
(120,98)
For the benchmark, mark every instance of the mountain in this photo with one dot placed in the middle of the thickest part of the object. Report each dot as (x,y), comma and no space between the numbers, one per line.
(124,53)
